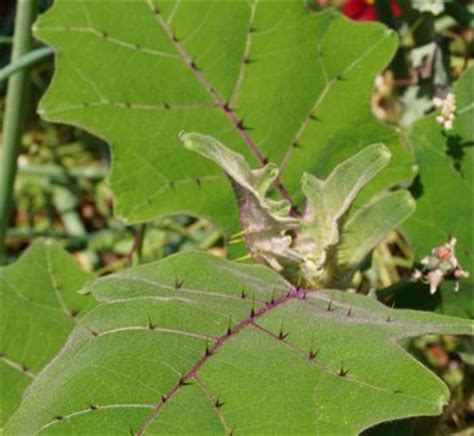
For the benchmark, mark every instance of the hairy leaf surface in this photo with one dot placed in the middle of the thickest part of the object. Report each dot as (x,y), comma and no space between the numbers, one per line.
(40,306)
(330,200)
(269,79)
(196,343)
(308,249)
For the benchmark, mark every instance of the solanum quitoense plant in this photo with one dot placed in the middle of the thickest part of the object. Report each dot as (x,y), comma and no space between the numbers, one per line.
(325,244)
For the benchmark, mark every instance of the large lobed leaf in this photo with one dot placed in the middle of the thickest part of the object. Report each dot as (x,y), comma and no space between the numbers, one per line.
(194,343)
(444,191)
(40,306)
(269,79)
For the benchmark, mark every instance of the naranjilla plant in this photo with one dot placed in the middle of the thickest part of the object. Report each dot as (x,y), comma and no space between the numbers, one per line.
(321,247)
(279,341)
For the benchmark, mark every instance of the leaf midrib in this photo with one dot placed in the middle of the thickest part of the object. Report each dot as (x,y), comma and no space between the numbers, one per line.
(218,100)
(251,321)
(220,342)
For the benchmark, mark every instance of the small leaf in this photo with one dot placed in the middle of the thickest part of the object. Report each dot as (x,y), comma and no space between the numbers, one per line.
(251,185)
(40,307)
(329,201)
(305,249)
(371,224)
(264,221)
(286,356)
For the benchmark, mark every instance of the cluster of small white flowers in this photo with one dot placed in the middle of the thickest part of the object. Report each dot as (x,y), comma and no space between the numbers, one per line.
(447,107)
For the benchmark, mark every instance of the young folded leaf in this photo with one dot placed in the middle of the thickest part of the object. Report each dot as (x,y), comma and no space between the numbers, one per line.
(329,201)
(265,221)
(320,248)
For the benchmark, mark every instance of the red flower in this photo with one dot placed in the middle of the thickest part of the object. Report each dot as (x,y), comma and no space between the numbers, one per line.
(364,10)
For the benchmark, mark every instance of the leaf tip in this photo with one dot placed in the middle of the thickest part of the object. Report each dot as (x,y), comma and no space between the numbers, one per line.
(309,182)
(383,151)
(182,135)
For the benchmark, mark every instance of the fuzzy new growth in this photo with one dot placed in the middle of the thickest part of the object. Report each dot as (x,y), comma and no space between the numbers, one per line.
(447,109)
(316,248)
(440,266)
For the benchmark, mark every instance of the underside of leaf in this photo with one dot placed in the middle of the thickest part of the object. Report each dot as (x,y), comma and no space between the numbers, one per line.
(265,222)
(329,201)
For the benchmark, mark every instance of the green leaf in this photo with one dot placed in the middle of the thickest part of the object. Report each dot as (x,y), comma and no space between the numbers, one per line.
(371,224)
(444,188)
(251,186)
(269,79)
(40,307)
(265,222)
(194,343)
(329,200)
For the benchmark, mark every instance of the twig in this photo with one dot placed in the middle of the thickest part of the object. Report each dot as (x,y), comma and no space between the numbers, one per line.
(135,255)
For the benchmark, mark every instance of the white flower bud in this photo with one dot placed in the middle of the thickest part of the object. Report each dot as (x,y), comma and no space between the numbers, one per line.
(447,109)
(434,279)
(448,125)
(451,98)
(445,112)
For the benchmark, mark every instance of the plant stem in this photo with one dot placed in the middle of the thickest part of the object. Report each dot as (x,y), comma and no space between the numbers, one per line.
(25,61)
(14,116)
(61,174)
(135,255)
(33,233)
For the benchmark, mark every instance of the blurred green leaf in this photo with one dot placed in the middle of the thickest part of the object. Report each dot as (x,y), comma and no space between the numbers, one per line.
(371,224)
